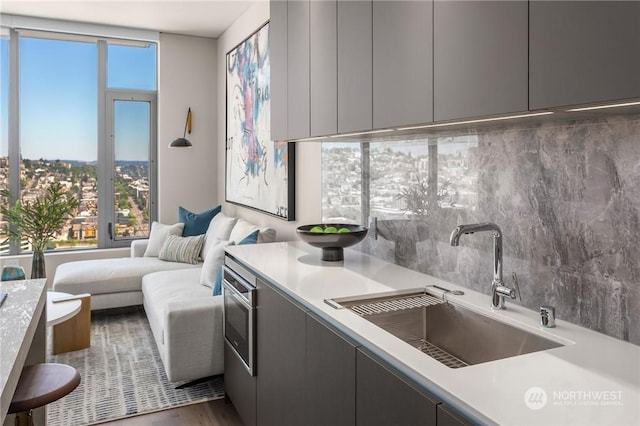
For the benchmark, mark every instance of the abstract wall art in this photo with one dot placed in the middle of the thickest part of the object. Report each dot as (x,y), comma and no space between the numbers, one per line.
(259,172)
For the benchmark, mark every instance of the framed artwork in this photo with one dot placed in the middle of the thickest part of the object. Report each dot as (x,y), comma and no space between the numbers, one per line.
(259,172)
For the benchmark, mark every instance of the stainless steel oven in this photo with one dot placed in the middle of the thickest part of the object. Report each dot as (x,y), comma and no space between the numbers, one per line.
(239,293)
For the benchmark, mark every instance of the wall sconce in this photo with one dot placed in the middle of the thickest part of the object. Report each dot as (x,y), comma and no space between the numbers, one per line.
(183,142)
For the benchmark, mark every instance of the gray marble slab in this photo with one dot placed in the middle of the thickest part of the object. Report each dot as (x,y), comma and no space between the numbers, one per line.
(19,318)
(567,197)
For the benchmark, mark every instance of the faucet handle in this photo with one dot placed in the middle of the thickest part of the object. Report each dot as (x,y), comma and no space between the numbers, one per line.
(515,282)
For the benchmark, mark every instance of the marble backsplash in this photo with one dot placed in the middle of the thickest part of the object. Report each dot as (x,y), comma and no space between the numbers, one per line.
(565,193)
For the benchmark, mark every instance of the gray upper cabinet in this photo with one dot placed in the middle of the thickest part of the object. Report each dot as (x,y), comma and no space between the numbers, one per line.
(298,69)
(278,90)
(402,63)
(354,66)
(480,58)
(583,52)
(324,67)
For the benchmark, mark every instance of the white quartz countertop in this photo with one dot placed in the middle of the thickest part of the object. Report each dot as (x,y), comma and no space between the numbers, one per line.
(19,316)
(593,379)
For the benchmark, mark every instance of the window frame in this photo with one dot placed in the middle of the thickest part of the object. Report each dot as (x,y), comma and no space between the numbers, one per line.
(105,148)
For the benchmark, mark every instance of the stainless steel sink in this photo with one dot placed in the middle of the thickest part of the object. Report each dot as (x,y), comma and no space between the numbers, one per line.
(450,333)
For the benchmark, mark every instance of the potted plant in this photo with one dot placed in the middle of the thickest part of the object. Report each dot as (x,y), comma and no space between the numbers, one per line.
(39,221)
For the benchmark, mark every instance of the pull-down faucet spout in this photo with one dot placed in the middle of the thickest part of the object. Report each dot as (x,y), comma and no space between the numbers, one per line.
(498,289)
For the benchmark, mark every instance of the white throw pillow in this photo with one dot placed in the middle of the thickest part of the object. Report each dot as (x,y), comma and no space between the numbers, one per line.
(158,236)
(219,230)
(182,249)
(241,229)
(213,261)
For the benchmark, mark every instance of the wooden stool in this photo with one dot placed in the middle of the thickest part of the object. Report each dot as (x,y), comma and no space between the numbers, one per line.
(39,385)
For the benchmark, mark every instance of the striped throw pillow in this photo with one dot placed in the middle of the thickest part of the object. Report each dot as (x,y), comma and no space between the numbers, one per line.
(182,249)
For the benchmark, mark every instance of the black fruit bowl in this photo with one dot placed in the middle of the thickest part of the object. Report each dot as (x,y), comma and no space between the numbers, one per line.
(332,244)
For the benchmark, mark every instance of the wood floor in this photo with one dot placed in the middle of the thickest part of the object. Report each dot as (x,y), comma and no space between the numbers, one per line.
(211,413)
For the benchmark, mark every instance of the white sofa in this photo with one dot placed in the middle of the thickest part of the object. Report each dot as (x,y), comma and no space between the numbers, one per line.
(185,318)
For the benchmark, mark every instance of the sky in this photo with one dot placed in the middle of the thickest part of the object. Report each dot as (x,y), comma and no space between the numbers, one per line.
(58,99)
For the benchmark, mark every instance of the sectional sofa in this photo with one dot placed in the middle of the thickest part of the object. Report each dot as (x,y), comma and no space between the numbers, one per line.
(184,315)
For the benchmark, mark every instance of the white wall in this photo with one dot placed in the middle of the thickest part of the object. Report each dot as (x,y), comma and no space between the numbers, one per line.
(308,165)
(187,78)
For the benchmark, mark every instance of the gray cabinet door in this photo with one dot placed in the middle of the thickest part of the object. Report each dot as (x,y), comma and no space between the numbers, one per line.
(383,398)
(583,51)
(331,377)
(480,58)
(354,66)
(402,63)
(324,67)
(298,68)
(239,386)
(280,354)
(278,89)
(449,417)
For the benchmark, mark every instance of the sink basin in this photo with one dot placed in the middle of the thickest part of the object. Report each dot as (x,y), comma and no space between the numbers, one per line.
(448,332)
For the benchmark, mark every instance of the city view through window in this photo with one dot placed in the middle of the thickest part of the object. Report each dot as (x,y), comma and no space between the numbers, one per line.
(396,179)
(58,136)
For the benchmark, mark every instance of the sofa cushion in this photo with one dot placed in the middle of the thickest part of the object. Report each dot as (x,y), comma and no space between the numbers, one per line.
(252,238)
(213,262)
(196,223)
(103,276)
(182,249)
(158,236)
(219,230)
(160,288)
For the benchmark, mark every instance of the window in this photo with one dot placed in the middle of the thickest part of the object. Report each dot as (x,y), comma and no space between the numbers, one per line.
(87,120)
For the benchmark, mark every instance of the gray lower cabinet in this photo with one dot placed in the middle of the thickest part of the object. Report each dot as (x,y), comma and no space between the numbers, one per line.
(355,102)
(240,387)
(383,398)
(280,355)
(298,69)
(402,63)
(480,58)
(278,89)
(330,377)
(449,417)
(583,51)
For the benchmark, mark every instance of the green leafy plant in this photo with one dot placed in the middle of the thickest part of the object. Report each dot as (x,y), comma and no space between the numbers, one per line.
(39,220)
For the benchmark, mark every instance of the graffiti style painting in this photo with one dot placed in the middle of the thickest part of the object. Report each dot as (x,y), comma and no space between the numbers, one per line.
(259,172)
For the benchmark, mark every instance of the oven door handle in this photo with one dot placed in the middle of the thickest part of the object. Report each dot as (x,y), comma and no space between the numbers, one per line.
(236,294)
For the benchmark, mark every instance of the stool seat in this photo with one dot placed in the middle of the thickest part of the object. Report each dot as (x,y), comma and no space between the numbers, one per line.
(41,384)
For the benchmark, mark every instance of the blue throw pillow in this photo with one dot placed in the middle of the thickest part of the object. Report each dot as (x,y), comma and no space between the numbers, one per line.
(196,223)
(217,286)
(252,238)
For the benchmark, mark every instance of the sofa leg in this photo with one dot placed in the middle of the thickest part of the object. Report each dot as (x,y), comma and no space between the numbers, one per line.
(196,381)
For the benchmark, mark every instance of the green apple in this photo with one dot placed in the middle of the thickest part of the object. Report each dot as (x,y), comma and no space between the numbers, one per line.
(344,230)
(330,230)
(317,229)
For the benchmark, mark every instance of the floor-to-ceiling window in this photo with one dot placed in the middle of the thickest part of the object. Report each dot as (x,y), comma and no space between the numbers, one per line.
(83,116)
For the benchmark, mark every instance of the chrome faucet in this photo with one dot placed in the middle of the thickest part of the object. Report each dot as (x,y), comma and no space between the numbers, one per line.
(498,290)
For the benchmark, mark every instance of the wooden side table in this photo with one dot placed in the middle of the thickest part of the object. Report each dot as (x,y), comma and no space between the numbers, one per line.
(71,321)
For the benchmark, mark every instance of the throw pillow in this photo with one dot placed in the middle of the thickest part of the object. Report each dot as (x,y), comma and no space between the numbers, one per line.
(213,261)
(182,249)
(252,238)
(219,230)
(241,229)
(196,223)
(158,236)
(217,286)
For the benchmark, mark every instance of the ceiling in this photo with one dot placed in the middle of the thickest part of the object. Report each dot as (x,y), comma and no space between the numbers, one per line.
(204,18)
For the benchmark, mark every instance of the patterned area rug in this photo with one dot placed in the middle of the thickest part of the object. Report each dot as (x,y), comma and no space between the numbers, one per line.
(122,374)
